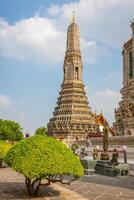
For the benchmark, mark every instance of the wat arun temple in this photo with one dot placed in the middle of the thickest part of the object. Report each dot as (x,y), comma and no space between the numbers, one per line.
(72,117)
(124,114)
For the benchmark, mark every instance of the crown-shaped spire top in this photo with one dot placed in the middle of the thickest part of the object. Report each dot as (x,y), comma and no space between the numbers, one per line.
(73,35)
(73,16)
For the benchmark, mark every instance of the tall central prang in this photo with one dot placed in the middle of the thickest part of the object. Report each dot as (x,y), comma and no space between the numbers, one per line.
(72,116)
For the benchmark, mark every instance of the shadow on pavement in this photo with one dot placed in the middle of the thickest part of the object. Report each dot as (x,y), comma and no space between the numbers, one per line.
(124,181)
(17,190)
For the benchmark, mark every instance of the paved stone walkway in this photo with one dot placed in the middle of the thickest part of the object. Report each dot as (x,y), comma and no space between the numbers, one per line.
(99,187)
(94,187)
(12,186)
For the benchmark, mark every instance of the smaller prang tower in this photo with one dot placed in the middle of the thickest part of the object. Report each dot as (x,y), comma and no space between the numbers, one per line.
(72,115)
(124,115)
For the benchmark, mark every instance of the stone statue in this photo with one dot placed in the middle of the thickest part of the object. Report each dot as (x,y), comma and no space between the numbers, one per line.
(105,138)
(95,154)
(114,159)
(104,154)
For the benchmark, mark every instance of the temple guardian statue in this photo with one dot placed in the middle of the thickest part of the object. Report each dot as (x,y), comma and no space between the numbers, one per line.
(72,117)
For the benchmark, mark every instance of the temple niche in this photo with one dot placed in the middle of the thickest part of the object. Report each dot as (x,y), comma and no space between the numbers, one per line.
(72,117)
(124,114)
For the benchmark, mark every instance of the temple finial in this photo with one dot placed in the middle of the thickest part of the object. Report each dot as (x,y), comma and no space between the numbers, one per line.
(73,16)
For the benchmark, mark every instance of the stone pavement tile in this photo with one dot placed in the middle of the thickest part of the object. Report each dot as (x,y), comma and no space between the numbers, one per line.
(12,187)
(126,196)
(74,186)
(106,188)
(68,194)
(107,196)
(91,195)
(92,188)
(110,181)
(120,198)
(83,191)
(103,198)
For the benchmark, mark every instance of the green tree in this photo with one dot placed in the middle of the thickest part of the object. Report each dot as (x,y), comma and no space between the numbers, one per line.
(41,131)
(39,158)
(10,130)
(4,148)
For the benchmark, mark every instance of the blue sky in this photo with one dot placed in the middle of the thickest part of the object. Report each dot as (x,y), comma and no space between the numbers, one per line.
(32,46)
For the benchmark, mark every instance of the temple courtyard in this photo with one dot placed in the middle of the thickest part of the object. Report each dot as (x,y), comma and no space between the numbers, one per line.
(92,187)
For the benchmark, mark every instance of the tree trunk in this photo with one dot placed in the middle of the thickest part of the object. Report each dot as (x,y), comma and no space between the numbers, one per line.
(32,187)
(35,186)
(29,186)
(1,161)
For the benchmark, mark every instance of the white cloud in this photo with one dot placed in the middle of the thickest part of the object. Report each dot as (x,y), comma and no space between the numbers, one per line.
(54,10)
(99,20)
(105,100)
(39,39)
(89,51)
(34,38)
(42,38)
(92,51)
(5,101)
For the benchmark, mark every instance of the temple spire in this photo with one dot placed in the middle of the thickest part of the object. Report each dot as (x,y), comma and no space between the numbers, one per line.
(72,117)
(73,16)
(73,36)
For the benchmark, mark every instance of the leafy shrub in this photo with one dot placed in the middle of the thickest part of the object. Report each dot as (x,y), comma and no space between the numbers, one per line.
(4,148)
(40,157)
(41,131)
(10,130)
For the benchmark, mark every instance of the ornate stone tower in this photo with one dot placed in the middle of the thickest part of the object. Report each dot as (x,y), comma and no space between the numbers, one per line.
(124,115)
(72,116)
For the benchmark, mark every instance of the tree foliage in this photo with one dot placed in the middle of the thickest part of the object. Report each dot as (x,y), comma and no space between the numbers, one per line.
(40,157)
(41,131)
(10,130)
(4,148)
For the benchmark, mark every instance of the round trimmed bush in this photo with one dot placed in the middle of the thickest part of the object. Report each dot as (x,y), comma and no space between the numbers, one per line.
(40,158)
